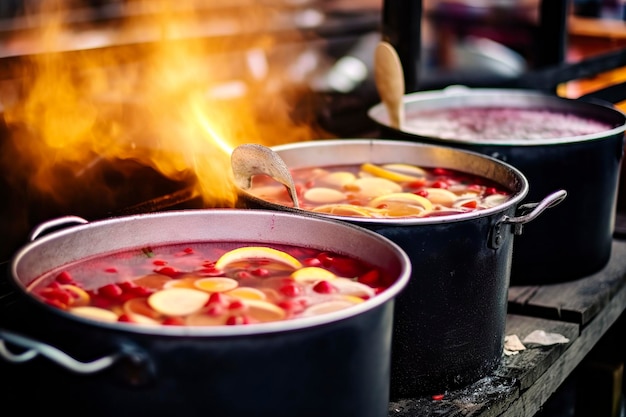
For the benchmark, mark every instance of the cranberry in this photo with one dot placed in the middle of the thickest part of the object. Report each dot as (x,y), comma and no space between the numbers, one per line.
(422,193)
(324,287)
(236,305)
(260,272)
(217,298)
(439,184)
(64,278)
(490,191)
(437,397)
(312,262)
(173,321)
(110,270)
(110,290)
(235,320)
(290,290)
(370,278)
(169,271)
(159,262)
(125,318)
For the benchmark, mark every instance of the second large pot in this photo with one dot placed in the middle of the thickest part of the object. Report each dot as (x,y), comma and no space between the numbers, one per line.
(573,240)
(449,322)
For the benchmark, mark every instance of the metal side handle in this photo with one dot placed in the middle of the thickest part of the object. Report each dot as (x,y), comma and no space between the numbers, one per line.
(530,212)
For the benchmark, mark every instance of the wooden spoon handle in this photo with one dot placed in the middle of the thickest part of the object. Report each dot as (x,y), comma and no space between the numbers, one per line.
(389,80)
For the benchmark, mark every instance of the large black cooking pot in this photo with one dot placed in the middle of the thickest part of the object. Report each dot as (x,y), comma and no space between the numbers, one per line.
(335,364)
(573,240)
(449,322)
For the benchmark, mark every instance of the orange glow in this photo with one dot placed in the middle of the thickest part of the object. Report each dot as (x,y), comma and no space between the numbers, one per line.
(153,89)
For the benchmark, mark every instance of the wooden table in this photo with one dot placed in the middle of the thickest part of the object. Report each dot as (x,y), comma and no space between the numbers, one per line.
(581,310)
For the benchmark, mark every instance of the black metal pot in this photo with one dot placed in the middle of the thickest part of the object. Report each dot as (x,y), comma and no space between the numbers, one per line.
(573,240)
(336,364)
(449,322)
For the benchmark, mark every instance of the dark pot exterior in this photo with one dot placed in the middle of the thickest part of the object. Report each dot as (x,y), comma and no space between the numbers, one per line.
(449,322)
(332,365)
(574,239)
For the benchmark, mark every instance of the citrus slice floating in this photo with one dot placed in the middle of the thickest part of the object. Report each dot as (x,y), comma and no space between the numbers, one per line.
(81,298)
(139,306)
(347,210)
(408,169)
(323,195)
(249,293)
(256,252)
(178,301)
(441,196)
(388,173)
(347,286)
(337,179)
(95,313)
(264,311)
(328,307)
(216,284)
(312,274)
(406,198)
(374,186)
(186,282)
(203,319)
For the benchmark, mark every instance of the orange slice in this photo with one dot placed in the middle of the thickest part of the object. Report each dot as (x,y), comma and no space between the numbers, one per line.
(249,293)
(203,319)
(312,274)
(406,198)
(178,301)
(216,284)
(154,281)
(388,173)
(256,252)
(264,311)
(186,282)
(139,306)
(374,186)
(323,195)
(95,313)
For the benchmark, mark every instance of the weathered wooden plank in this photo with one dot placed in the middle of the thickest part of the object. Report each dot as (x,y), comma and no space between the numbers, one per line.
(576,301)
(494,394)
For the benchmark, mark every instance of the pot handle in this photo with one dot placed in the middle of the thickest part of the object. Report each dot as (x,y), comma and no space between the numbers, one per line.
(141,371)
(54,224)
(535,210)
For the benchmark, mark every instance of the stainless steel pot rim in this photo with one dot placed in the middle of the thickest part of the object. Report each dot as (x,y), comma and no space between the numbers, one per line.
(519,195)
(224,331)
(459,96)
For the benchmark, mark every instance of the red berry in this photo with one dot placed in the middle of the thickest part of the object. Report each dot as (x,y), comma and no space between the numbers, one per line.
(324,287)
(64,278)
(370,278)
(437,397)
(168,271)
(110,290)
(111,270)
(290,290)
(125,318)
(173,321)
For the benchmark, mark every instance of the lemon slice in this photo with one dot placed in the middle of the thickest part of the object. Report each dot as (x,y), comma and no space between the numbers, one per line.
(249,293)
(371,187)
(256,252)
(408,169)
(495,200)
(349,287)
(312,274)
(388,174)
(346,210)
(323,195)
(216,284)
(328,307)
(95,313)
(441,196)
(264,311)
(337,179)
(178,301)
(81,296)
(407,198)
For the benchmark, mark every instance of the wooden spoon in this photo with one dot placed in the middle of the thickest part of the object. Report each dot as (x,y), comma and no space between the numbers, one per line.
(250,159)
(390,82)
